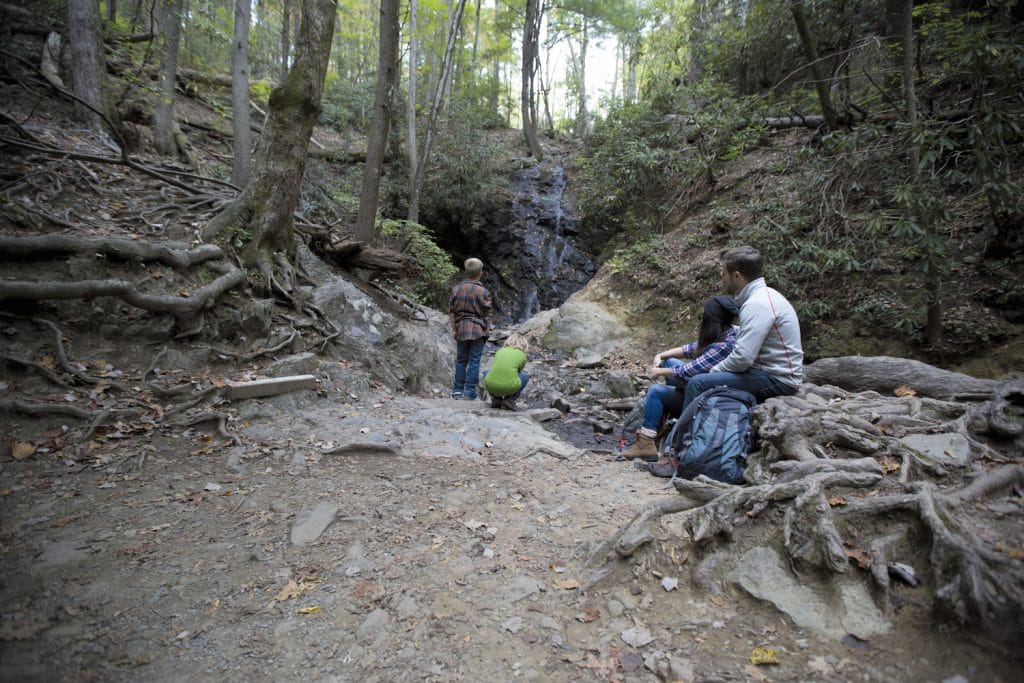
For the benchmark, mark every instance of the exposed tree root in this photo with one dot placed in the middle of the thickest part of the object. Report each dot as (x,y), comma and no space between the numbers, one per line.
(809,463)
(173,254)
(203,297)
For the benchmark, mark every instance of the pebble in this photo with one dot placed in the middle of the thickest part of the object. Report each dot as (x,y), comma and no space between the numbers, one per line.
(615,608)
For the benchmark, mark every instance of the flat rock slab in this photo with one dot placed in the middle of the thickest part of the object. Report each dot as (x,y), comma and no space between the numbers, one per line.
(942,449)
(310,523)
(844,606)
(269,387)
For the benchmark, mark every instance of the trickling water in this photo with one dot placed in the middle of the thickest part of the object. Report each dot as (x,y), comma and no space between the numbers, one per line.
(548,267)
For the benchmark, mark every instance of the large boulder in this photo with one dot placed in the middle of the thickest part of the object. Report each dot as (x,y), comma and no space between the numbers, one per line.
(584,325)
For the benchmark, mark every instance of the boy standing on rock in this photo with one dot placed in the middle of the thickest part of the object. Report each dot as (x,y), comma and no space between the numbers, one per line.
(469,309)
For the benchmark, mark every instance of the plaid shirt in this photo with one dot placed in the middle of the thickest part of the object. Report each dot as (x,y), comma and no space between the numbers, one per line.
(470,304)
(712,356)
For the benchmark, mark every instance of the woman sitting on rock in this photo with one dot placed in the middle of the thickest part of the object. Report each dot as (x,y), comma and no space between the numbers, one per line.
(715,340)
(506,379)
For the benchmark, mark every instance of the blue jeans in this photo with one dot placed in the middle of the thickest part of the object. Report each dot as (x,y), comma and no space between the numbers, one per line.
(524,379)
(758,382)
(467,366)
(661,397)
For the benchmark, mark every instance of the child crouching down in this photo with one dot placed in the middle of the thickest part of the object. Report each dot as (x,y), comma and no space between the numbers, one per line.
(506,379)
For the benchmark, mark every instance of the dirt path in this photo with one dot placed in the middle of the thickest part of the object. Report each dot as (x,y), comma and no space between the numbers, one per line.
(436,568)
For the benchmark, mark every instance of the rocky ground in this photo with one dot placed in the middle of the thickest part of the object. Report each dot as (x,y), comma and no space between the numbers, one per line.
(383,536)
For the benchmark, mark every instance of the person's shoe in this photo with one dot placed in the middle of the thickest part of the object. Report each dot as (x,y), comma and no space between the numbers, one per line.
(457,395)
(467,397)
(643,448)
(508,404)
(663,468)
(496,402)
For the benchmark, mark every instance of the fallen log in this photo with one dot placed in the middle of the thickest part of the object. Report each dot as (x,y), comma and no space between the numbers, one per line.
(885,374)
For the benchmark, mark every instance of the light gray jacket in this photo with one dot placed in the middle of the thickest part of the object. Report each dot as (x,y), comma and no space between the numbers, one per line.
(769,336)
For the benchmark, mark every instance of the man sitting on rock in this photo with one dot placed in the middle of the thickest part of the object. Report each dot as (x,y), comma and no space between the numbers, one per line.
(768,358)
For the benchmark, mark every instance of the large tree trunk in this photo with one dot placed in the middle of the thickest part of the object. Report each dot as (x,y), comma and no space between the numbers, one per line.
(413,212)
(387,66)
(495,70)
(435,107)
(169,18)
(821,82)
(260,218)
(87,63)
(696,67)
(531,29)
(240,95)
(582,114)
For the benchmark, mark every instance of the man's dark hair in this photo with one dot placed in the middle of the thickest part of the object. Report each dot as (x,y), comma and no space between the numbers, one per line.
(746,261)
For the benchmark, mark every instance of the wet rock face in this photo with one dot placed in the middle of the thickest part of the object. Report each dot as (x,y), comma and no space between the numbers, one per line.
(533,255)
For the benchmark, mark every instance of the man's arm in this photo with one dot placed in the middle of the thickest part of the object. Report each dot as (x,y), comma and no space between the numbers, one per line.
(754,328)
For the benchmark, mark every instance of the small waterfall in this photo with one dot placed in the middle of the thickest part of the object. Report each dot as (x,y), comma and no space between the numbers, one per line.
(546,268)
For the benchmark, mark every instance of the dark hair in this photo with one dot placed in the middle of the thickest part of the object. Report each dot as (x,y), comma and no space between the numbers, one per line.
(719,312)
(745,260)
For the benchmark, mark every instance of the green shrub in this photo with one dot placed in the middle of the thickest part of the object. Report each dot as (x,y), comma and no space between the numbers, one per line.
(430,286)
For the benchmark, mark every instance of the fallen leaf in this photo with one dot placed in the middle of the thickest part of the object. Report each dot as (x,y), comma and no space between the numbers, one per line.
(857,556)
(22,449)
(1015,553)
(588,616)
(364,588)
(889,465)
(568,584)
(836,501)
(904,391)
(764,655)
(313,609)
(291,590)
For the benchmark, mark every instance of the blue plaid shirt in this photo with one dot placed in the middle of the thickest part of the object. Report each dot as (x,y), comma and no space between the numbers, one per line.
(470,303)
(712,356)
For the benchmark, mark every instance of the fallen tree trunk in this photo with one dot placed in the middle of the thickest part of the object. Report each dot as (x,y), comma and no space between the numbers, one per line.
(885,374)
(354,254)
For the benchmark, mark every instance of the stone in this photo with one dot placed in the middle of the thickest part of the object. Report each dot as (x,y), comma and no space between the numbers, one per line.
(59,553)
(408,608)
(520,588)
(544,414)
(579,323)
(840,607)
(561,405)
(310,523)
(376,621)
(296,364)
(590,361)
(269,387)
(615,608)
(619,383)
(946,449)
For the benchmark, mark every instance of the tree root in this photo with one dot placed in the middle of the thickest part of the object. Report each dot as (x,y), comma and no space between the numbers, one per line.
(35,408)
(203,297)
(974,583)
(173,254)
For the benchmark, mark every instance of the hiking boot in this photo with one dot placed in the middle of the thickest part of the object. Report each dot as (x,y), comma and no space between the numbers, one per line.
(643,448)
(508,404)
(663,468)
(457,395)
(496,402)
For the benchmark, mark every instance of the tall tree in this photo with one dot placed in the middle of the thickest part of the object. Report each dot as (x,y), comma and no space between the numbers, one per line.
(169,23)
(435,108)
(387,67)
(531,32)
(286,37)
(87,62)
(821,81)
(240,95)
(410,110)
(261,216)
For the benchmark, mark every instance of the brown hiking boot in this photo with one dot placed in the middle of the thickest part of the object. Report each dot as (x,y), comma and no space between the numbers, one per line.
(495,401)
(643,448)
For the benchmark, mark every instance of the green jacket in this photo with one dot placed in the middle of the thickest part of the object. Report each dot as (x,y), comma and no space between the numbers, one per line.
(503,377)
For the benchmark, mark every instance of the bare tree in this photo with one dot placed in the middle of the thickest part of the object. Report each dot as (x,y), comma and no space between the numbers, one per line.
(169,22)
(240,95)
(286,11)
(435,108)
(87,63)
(260,218)
(387,67)
(821,81)
(531,31)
